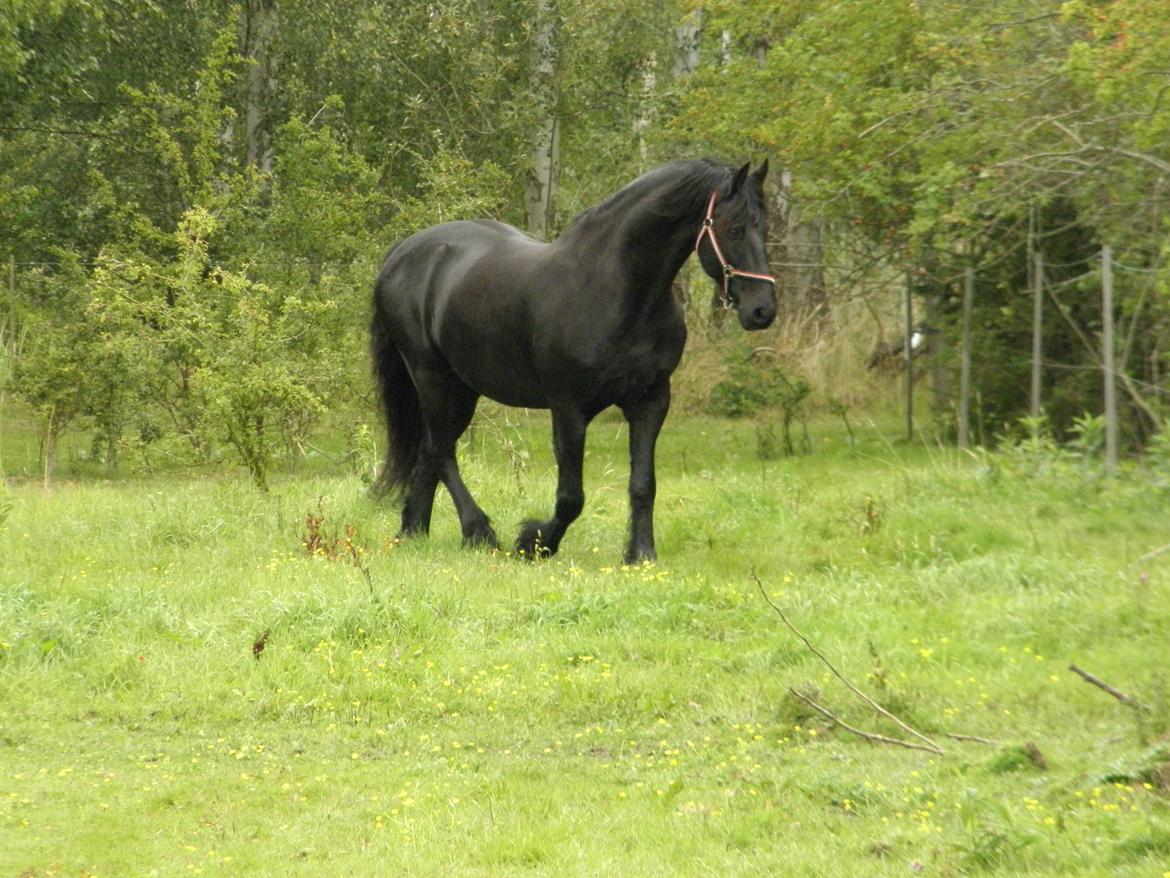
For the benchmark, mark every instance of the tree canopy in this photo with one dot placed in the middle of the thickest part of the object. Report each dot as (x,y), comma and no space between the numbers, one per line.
(191,191)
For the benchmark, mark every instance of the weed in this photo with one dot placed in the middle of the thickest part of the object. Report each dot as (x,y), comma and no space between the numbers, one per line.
(1025,757)
(341,545)
(994,838)
(840,408)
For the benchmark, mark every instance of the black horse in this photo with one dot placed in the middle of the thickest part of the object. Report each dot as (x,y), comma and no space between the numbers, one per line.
(478,308)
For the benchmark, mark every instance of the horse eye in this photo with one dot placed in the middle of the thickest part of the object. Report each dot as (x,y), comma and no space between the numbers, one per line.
(736,233)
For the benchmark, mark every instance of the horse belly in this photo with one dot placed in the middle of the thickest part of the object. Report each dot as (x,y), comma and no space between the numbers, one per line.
(505,380)
(487,347)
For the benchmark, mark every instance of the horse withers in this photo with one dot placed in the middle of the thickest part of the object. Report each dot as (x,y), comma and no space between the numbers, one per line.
(478,308)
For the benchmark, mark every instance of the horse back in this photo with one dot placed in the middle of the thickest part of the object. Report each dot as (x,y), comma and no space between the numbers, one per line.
(520,321)
(454,297)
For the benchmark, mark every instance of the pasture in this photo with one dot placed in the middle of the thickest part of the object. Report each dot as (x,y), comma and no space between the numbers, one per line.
(200,679)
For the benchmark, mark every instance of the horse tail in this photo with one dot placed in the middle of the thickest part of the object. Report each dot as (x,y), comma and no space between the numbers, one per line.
(400,405)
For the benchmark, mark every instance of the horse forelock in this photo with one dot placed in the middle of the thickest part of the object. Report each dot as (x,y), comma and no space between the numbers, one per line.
(745,206)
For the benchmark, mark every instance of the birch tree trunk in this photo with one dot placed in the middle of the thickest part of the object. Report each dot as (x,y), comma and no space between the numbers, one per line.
(539,200)
(258,29)
(646,106)
(686,45)
(799,254)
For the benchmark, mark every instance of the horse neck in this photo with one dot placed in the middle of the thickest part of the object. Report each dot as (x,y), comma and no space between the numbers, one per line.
(651,227)
(654,250)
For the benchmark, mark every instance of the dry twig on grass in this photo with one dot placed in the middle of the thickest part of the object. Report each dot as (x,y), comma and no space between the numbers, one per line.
(931,746)
(972,739)
(872,737)
(1105,687)
(1151,555)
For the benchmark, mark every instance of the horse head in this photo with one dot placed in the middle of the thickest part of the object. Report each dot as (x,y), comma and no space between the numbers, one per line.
(731,247)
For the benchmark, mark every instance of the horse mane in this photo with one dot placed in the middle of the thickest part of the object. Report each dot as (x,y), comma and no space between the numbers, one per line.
(682,188)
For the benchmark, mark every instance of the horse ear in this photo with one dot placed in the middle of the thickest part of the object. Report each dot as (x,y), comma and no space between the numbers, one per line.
(761,172)
(740,176)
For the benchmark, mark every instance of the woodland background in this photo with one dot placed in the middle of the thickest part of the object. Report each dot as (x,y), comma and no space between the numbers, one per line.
(195,195)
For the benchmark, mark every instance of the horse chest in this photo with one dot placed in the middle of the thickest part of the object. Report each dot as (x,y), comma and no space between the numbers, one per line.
(632,367)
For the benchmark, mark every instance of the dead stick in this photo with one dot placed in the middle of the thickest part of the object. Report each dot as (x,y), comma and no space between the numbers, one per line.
(931,744)
(872,737)
(974,739)
(1101,684)
(1151,555)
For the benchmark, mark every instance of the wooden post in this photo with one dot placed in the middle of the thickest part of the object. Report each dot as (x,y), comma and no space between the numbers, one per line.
(1108,364)
(1037,332)
(965,361)
(908,354)
(8,348)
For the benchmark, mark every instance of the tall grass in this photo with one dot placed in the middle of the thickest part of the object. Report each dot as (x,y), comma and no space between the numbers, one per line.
(187,689)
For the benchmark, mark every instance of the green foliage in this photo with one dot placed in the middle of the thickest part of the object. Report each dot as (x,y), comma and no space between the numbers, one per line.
(914,135)
(325,201)
(452,187)
(754,384)
(920,135)
(59,369)
(225,357)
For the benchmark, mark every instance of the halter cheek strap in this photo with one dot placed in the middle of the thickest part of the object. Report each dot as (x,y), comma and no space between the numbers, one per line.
(729,270)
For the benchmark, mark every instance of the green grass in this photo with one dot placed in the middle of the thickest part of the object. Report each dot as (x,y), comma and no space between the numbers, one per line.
(462,713)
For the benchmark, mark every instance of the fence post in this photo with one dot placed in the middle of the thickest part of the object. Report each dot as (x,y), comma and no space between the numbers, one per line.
(965,360)
(1108,364)
(7,349)
(1037,331)
(908,354)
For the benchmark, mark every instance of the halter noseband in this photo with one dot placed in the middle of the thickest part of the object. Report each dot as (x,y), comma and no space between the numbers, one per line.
(729,270)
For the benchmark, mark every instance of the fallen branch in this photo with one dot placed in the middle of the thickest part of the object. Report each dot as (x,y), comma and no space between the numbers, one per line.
(1151,555)
(872,737)
(974,739)
(931,745)
(1105,687)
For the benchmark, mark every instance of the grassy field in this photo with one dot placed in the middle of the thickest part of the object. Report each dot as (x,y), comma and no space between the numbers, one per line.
(186,689)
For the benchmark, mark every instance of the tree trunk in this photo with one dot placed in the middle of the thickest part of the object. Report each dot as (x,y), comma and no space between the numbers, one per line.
(797,256)
(686,45)
(542,177)
(940,376)
(49,450)
(799,253)
(647,102)
(258,29)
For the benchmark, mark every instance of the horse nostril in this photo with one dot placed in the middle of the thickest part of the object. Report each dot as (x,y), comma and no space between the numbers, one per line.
(762,315)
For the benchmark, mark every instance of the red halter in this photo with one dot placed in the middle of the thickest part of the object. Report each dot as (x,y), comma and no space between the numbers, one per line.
(729,270)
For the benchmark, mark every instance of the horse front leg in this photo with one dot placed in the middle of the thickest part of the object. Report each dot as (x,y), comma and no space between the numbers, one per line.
(543,538)
(645,417)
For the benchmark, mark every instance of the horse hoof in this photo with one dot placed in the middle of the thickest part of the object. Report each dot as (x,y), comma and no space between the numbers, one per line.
(481,537)
(530,544)
(640,556)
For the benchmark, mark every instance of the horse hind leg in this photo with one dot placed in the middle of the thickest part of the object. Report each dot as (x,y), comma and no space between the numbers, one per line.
(477,528)
(447,406)
(420,495)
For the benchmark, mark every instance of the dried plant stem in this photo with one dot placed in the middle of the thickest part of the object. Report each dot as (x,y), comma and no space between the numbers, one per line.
(873,737)
(973,739)
(930,745)
(1105,687)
